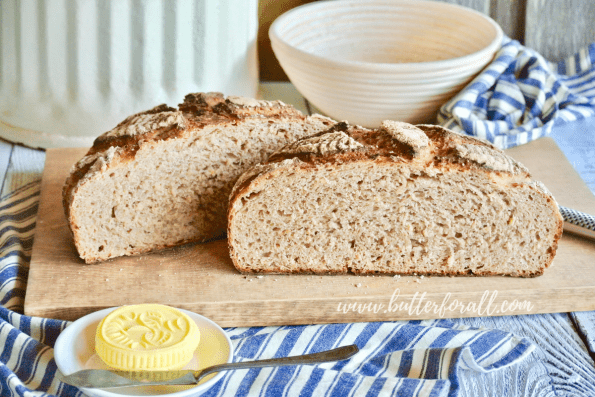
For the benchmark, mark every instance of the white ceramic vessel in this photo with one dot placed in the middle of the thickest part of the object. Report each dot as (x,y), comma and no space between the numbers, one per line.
(73,69)
(366,61)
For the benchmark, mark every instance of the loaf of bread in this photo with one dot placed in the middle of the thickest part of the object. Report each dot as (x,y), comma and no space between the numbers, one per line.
(400,199)
(163,177)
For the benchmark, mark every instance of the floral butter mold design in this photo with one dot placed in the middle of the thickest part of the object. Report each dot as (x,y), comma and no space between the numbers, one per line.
(147,337)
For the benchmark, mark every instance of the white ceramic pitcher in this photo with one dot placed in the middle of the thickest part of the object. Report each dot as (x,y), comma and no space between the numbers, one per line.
(73,69)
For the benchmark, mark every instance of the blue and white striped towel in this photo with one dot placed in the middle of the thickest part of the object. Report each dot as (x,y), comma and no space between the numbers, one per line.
(520,96)
(408,358)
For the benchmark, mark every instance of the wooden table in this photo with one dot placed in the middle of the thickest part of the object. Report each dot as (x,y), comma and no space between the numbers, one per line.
(563,363)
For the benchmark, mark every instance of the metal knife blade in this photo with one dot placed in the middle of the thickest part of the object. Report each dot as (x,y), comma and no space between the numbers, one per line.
(104,379)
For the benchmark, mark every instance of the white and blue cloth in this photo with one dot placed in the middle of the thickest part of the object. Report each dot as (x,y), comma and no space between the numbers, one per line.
(520,96)
(516,99)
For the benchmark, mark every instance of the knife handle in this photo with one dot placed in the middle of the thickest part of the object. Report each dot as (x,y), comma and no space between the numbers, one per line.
(341,353)
(578,222)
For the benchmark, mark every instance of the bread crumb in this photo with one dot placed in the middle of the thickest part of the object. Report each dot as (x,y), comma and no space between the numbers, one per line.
(358,285)
(259,277)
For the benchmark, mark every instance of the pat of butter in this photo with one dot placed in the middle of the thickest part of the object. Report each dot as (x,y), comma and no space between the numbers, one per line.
(147,337)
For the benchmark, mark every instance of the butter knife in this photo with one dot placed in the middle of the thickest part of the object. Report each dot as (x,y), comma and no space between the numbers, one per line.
(104,379)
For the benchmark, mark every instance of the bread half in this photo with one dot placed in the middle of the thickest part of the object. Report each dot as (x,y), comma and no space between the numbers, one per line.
(163,177)
(401,199)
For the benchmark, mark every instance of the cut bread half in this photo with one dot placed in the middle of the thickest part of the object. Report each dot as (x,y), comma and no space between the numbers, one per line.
(162,178)
(400,199)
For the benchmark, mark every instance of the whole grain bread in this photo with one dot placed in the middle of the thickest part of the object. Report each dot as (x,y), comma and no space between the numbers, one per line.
(400,199)
(162,177)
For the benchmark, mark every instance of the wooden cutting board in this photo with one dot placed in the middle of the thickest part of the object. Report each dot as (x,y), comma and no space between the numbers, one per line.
(201,277)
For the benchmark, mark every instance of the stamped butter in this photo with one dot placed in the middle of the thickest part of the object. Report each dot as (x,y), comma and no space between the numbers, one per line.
(146,337)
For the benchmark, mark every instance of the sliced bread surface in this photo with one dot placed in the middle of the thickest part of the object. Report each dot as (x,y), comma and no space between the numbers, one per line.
(162,178)
(401,199)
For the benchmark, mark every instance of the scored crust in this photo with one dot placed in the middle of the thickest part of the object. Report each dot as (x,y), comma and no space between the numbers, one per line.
(182,162)
(405,168)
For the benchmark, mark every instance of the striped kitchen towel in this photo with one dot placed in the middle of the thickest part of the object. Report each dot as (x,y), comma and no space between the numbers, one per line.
(520,96)
(404,358)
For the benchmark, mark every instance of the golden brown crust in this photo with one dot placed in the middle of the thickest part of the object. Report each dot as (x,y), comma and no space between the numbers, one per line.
(380,146)
(198,111)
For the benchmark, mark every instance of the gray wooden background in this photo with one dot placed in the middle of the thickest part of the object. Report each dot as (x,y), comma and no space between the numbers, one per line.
(557,29)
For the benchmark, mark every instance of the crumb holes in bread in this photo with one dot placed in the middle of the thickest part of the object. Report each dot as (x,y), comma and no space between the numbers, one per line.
(428,240)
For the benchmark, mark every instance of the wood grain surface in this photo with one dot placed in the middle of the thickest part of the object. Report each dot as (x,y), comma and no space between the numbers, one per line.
(558,29)
(201,278)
